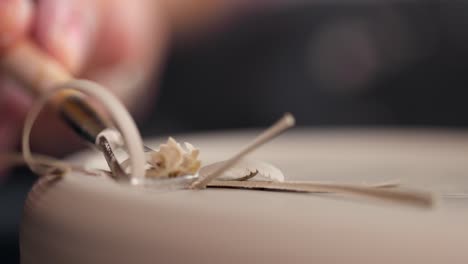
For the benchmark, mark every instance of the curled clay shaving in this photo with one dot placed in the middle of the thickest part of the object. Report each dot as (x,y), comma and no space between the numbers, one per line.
(171,160)
(117,111)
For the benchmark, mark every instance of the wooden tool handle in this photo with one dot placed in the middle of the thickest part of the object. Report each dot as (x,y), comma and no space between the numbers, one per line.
(34,69)
(39,73)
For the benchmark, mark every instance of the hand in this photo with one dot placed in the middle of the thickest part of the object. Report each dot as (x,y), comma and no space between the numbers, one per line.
(115,42)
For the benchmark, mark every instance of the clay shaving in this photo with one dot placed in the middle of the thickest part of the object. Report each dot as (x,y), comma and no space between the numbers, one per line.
(171,160)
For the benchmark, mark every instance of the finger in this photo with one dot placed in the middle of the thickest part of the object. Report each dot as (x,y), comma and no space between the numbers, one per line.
(15,17)
(66,29)
(131,46)
(129,33)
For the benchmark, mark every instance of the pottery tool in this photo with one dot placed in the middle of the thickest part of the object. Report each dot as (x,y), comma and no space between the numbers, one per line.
(38,72)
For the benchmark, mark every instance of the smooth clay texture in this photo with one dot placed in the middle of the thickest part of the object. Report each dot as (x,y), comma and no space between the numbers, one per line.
(84,219)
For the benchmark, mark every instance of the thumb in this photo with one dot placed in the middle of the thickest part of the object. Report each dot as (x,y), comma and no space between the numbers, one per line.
(15,16)
(66,29)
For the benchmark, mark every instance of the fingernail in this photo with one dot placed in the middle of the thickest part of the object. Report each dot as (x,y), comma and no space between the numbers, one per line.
(65,29)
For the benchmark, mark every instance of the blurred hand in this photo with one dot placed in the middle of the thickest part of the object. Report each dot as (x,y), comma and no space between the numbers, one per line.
(118,43)
(115,42)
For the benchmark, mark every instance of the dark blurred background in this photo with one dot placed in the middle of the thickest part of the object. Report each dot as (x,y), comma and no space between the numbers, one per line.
(368,64)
